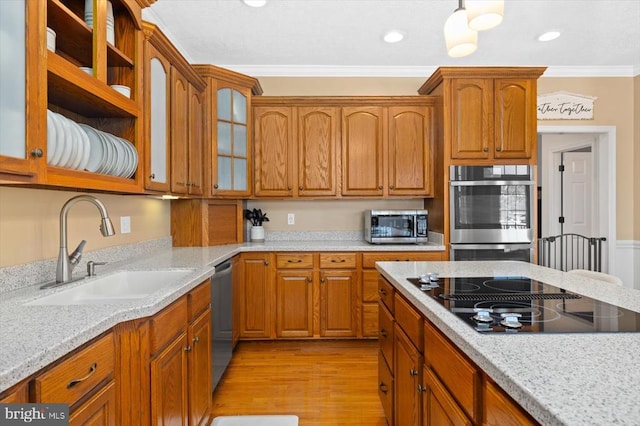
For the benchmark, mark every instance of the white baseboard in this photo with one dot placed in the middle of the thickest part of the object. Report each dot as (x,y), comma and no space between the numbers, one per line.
(627,266)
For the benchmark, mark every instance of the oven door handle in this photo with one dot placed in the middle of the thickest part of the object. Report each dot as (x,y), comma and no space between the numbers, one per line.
(491,182)
(508,247)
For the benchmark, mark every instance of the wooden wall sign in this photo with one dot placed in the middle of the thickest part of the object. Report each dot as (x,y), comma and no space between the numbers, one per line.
(565,106)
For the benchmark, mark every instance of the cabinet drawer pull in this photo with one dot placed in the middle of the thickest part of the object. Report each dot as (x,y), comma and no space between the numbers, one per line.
(421,389)
(383,332)
(309,280)
(499,148)
(338,261)
(294,261)
(266,263)
(383,387)
(413,372)
(382,292)
(215,186)
(187,349)
(485,149)
(196,340)
(380,187)
(92,370)
(392,187)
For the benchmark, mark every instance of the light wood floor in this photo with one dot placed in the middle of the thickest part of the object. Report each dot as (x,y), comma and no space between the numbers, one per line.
(322,382)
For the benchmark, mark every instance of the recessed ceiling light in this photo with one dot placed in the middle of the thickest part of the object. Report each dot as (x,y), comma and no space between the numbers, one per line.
(255,3)
(549,35)
(393,36)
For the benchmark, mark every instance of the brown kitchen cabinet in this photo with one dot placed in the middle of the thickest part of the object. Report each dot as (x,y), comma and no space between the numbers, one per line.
(363,145)
(294,295)
(256,296)
(499,409)
(295,150)
(407,375)
(369,283)
(180,367)
(62,87)
(173,97)
(227,132)
(489,113)
(338,303)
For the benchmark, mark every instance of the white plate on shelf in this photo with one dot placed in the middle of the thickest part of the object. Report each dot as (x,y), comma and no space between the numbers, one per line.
(122,156)
(51,138)
(79,145)
(97,154)
(132,157)
(83,141)
(110,163)
(57,125)
(64,138)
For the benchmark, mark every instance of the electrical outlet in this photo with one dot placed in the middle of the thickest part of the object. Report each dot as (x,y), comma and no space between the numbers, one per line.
(125,224)
(291,219)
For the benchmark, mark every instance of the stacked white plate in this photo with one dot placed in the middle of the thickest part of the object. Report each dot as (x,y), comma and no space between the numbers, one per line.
(88,19)
(81,147)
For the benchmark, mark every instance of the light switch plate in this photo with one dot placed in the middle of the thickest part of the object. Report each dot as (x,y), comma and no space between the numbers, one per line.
(125,224)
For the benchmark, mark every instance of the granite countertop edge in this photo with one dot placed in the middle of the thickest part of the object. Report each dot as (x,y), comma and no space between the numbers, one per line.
(31,340)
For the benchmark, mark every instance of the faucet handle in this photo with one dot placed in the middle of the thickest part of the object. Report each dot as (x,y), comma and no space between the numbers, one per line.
(91,267)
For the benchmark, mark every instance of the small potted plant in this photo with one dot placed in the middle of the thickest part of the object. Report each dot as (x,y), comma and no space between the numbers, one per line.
(257,218)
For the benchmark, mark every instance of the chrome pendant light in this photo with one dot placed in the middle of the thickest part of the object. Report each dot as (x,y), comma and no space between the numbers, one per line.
(461,40)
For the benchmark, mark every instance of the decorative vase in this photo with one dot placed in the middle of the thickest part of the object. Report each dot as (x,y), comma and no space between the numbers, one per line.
(257,234)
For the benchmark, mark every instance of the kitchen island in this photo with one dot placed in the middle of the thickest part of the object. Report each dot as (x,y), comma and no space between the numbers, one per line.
(560,379)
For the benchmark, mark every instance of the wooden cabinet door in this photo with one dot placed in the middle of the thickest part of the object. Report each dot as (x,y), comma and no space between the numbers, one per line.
(179,132)
(407,372)
(157,154)
(438,407)
(195,158)
(256,290)
(199,366)
(274,152)
(99,410)
(169,403)
(410,151)
(363,130)
(471,114)
(294,303)
(317,151)
(338,303)
(500,410)
(514,118)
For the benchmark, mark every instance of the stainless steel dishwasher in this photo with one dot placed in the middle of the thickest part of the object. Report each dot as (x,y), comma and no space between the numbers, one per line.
(221,319)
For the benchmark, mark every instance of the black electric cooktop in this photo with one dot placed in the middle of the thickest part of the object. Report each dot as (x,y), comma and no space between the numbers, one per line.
(515,304)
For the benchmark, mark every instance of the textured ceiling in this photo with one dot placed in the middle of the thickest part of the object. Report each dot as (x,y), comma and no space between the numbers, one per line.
(344,37)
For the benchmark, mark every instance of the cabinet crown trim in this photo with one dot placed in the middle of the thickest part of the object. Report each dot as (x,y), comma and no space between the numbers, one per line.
(443,73)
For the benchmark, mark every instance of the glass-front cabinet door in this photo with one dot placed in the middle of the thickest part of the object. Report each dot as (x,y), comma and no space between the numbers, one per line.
(21,150)
(233,149)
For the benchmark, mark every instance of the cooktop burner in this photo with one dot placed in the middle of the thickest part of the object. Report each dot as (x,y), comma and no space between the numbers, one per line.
(515,304)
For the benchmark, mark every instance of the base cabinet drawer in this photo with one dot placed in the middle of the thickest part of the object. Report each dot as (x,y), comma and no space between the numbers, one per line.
(77,376)
(386,334)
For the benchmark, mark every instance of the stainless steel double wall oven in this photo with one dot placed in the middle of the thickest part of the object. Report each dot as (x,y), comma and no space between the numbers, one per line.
(492,212)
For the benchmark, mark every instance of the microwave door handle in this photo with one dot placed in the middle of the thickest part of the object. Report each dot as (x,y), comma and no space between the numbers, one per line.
(491,182)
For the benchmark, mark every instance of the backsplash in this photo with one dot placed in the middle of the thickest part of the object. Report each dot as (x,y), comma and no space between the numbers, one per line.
(20,276)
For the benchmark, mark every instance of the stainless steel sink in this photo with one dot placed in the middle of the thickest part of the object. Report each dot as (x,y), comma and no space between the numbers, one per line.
(117,287)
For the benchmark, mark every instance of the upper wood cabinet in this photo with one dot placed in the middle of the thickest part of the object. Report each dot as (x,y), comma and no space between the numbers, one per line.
(363,146)
(489,113)
(343,146)
(295,151)
(227,148)
(174,123)
(80,96)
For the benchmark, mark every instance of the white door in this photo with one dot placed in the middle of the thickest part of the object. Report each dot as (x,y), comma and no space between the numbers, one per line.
(578,193)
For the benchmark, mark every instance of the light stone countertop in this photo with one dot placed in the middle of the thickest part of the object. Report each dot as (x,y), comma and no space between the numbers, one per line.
(561,379)
(32,337)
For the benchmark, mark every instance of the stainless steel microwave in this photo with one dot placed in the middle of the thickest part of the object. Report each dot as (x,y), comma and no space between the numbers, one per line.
(396,226)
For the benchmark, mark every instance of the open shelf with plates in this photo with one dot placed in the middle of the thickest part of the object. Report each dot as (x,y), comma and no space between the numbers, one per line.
(98,46)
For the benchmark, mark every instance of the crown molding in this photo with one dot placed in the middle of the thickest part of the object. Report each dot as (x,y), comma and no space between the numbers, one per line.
(391,71)
(151,16)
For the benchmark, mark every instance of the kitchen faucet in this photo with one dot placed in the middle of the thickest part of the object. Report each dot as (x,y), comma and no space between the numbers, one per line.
(67,262)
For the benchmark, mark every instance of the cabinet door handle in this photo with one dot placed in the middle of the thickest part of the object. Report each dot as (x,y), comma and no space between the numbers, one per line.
(300,188)
(74,382)
(499,148)
(196,340)
(421,389)
(309,280)
(413,372)
(294,261)
(485,149)
(380,187)
(383,387)
(38,153)
(187,349)
(152,176)
(382,292)
(383,332)
(323,279)
(215,186)
(392,187)
(266,263)
(289,188)
(338,261)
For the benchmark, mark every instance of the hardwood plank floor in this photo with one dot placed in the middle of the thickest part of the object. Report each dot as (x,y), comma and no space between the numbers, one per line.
(322,382)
